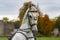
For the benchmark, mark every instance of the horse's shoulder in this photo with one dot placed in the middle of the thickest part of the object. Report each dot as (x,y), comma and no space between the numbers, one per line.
(19,36)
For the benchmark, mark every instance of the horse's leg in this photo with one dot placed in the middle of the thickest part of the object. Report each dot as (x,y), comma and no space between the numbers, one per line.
(19,36)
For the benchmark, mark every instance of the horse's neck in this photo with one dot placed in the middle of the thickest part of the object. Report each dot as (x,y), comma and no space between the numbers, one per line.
(25,24)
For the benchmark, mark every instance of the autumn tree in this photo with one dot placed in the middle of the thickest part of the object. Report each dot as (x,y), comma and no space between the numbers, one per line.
(40,22)
(53,23)
(45,25)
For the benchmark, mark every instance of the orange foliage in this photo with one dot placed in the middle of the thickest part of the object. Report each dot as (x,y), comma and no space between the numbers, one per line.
(45,24)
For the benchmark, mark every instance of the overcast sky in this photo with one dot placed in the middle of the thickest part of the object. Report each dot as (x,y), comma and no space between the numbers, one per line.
(10,8)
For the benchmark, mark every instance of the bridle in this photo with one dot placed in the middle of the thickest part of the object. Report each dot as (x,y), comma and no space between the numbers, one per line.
(27,29)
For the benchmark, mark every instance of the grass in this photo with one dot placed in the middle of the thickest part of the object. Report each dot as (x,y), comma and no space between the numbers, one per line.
(41,38)
(49,38)
(3,38)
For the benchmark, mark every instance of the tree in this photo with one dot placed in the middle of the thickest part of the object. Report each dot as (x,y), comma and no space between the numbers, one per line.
(16,24)
(57,25)
(5,19)
(11,22)
(45,25)
(40,22)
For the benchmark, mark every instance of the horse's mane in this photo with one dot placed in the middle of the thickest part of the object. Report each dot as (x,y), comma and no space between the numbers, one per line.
(23,10)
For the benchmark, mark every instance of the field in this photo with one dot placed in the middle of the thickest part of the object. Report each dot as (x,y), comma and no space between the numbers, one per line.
(42,38)
(3,38)
(49,38)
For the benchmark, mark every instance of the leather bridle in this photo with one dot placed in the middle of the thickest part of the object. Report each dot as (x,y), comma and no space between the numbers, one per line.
(27,29)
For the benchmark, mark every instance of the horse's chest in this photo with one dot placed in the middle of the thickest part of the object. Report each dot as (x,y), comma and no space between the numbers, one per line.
(30,36)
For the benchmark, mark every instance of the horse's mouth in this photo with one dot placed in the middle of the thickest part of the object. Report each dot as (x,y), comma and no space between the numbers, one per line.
(33,24)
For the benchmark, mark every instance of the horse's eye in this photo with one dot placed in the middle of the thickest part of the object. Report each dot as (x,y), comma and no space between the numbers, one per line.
(30,16)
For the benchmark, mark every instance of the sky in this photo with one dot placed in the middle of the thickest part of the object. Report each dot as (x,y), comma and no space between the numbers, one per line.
(10,8)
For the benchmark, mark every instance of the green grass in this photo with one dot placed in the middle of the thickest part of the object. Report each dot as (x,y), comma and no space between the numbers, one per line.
(41,38)
(3,38)
(49,38)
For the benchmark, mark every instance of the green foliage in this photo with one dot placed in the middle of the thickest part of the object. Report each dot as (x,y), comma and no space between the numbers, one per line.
(16,24)
(57,25)
(5,19)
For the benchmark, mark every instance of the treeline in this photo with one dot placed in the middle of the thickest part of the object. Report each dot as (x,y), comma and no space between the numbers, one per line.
(45,24)
(16,23)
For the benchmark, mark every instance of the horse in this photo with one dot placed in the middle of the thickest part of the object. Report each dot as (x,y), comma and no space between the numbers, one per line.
(28,26)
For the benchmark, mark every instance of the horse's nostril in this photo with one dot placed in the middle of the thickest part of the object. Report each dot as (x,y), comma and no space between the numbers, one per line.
(35,18)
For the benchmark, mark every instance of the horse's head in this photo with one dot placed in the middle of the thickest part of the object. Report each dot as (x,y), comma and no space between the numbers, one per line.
(33,18)
(30,19)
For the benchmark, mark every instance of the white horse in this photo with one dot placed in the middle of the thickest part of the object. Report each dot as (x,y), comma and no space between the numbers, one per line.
(29,24)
